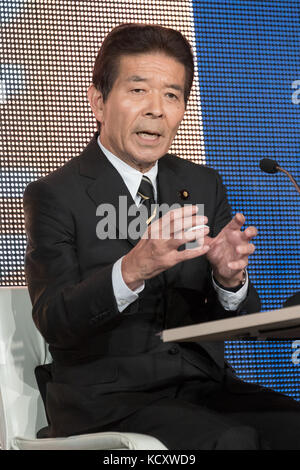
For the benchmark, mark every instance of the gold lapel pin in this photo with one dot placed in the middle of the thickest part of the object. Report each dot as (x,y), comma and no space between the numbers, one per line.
(184,194)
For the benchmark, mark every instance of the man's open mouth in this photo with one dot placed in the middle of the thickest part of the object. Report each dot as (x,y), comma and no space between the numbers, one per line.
(148,135)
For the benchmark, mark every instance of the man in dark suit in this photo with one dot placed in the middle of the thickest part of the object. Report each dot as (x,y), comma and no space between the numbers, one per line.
(101,296)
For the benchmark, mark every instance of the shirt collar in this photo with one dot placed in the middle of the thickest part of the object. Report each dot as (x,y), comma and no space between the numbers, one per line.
(131,176)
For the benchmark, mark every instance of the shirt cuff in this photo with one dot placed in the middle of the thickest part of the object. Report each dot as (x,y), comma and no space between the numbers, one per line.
(231,300)
(124,296)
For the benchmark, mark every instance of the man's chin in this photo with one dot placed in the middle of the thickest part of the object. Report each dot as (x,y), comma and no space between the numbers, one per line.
(148,159)
(148,156)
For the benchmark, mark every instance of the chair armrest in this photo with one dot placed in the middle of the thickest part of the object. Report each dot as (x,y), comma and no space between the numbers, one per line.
(95,441)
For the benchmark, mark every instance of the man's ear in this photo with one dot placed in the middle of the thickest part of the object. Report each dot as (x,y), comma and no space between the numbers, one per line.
(96,102)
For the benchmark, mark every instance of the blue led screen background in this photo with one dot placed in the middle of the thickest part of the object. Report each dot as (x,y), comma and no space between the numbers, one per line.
(249,70)
(244,106)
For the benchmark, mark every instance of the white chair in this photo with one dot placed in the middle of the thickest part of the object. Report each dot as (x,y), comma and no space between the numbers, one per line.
(22,413)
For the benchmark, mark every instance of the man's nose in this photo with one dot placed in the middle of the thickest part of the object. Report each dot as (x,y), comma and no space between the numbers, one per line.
(154,107)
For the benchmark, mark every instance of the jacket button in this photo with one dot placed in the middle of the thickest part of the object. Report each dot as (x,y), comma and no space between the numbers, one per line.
(173,350)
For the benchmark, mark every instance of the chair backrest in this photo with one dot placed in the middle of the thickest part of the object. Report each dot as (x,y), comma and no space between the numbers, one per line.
(22,348)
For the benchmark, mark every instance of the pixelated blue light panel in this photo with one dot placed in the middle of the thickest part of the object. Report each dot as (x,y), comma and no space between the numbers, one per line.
(249,79)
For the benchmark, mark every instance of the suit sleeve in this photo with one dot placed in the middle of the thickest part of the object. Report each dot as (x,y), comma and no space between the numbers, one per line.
(66,308)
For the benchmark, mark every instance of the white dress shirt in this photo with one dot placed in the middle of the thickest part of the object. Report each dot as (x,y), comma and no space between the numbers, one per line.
(125,296)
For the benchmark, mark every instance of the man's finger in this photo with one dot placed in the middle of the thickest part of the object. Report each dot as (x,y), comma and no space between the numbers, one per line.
(191,223)
(208,240)
(166,223)
(250,232)
(170,217)
(175,221)
(192,253)
(237,222)
(247,249)
(238,265)
(190,236)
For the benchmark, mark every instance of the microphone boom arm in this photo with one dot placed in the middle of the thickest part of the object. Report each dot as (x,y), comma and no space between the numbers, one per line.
(290,176)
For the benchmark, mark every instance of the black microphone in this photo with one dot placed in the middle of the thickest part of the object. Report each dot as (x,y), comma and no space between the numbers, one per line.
(268,166)
(271,166)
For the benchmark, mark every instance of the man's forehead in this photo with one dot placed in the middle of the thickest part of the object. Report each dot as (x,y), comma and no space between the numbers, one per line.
(142,67)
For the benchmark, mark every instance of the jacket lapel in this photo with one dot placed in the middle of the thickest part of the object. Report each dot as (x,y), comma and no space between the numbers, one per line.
(107,187)
(170,184)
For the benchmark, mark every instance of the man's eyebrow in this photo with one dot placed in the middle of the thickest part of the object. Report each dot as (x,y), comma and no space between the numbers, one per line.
(137,78)
(175,87)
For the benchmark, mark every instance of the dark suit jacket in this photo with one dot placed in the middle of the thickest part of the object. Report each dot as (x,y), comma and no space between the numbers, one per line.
(106,363)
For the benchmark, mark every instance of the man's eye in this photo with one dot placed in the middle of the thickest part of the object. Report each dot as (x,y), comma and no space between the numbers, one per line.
(137,90)
(172,96)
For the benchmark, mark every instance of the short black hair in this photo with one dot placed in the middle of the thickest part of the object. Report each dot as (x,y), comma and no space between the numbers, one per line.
(135,38)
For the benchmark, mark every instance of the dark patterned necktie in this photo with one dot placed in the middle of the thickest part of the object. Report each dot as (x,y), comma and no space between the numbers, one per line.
(146,192)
